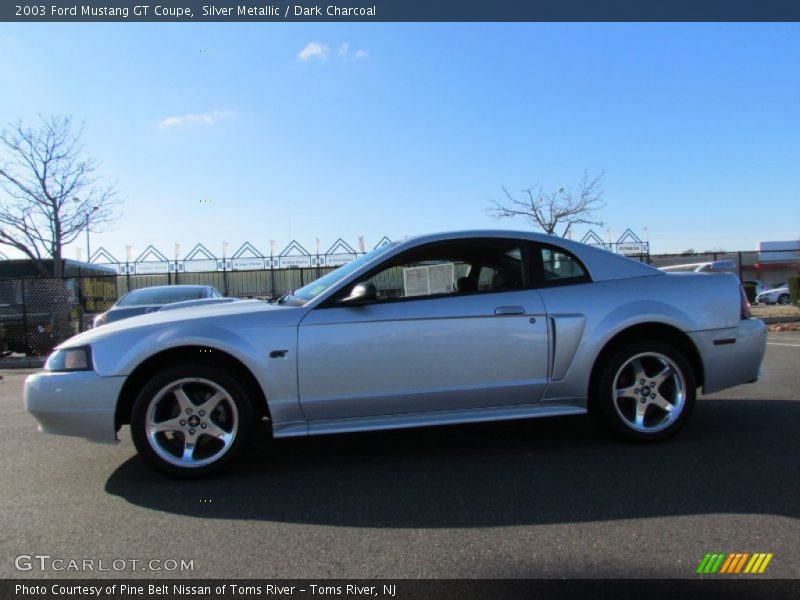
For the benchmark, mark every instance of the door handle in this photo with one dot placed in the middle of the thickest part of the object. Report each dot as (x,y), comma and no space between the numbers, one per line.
(509,310)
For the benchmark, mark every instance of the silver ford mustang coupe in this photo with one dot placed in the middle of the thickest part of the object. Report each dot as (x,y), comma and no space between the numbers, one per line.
(438,329)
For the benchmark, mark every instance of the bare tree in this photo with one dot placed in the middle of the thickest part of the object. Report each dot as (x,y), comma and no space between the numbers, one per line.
(51,193)
(549,211)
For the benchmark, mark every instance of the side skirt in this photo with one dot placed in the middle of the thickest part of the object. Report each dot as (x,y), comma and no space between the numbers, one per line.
(549,408)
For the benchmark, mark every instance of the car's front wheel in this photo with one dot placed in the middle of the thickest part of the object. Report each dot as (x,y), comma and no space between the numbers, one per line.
(645,392)
(191,420)
(784,299)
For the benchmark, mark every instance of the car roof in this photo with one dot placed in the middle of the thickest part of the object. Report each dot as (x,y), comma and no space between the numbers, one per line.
(602,264)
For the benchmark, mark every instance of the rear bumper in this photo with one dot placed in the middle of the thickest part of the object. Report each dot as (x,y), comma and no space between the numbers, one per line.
(78,404)
(731,356)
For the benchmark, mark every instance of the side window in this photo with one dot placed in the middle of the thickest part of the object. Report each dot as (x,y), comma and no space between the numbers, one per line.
(561,267)
(453,268)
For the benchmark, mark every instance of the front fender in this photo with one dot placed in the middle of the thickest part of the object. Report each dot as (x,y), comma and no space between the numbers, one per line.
(120,355)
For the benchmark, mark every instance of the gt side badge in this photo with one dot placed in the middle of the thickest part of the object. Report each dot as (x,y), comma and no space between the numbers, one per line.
(278,354)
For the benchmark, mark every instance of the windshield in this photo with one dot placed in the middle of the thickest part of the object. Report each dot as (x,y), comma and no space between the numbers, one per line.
(316,287)
(167,295)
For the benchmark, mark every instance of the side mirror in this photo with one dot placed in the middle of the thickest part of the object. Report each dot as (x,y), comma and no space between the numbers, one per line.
(360,294)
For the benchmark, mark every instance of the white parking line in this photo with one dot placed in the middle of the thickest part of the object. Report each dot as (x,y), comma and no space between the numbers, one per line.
(777,344)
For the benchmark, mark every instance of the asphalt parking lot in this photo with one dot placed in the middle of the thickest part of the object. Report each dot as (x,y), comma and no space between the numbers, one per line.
(546,498)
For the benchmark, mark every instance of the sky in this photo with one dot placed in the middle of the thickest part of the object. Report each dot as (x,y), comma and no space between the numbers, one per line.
(254,132)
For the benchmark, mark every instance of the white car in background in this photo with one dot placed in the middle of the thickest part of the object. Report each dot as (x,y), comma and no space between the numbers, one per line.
(712,266)
(777,295)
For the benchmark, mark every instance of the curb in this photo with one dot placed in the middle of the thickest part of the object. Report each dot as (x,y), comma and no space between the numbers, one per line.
(771,320)
(22,363)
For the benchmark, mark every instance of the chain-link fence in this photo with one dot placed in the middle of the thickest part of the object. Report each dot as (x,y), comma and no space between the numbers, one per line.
(37,313)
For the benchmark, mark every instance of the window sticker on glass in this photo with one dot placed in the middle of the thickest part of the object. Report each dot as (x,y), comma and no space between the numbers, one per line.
(415,281)
(427,280)
(441,278)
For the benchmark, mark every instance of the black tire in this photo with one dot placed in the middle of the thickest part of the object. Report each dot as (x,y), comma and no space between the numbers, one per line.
(784,299)
(232,418)
(617,374)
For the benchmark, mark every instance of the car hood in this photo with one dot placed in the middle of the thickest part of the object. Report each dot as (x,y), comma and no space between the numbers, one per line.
(203,313)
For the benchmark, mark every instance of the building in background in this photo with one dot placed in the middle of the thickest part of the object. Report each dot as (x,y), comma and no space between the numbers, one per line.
(777,261)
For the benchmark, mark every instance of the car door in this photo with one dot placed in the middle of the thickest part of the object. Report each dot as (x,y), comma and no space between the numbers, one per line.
(422,347)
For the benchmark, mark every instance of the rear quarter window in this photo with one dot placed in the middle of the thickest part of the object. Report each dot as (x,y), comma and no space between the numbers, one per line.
(560,267)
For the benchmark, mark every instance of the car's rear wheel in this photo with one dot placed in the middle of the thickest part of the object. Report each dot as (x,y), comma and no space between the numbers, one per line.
(645,392)
(191,420)
(784,299)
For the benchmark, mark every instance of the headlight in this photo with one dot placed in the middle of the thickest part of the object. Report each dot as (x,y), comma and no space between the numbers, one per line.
(70,359)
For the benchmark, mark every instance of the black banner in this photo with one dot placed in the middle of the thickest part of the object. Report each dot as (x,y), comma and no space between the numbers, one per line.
(397,10)
(401,589)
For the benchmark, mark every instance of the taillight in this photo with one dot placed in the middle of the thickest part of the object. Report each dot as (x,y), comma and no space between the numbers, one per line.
(745,305)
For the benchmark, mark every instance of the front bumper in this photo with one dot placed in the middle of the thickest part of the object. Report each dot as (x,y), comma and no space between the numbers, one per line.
(78,403)
(731,356)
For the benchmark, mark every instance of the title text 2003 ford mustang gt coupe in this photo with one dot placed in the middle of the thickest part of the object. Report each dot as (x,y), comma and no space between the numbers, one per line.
(448,328)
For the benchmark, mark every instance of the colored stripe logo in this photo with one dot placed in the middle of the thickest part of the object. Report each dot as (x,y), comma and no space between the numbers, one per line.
(734,563)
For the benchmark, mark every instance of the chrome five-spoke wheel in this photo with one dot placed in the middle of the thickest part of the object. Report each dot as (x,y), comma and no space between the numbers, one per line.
(645,391)
(649,392)
(191,422)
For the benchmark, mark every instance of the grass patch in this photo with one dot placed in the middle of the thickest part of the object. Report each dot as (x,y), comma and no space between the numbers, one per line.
(775,311)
